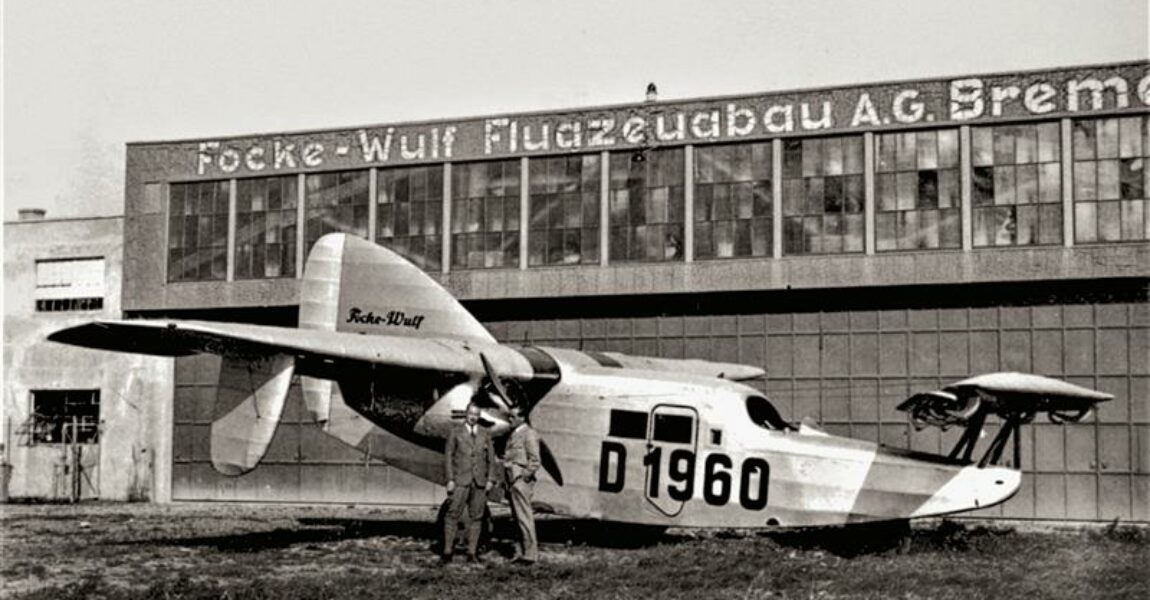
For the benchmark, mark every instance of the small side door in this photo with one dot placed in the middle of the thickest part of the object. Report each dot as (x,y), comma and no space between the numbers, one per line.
(672,445)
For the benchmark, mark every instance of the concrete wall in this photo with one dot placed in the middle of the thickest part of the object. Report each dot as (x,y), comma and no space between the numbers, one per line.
(132,458)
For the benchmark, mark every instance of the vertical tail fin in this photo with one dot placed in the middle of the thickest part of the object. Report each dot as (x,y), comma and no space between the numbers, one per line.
(351,284)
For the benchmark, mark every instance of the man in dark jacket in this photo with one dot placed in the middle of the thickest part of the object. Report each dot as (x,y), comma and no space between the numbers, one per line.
(471,470)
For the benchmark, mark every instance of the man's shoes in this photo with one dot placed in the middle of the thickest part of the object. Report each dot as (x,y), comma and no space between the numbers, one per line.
(519,560)
(445,559)
(471,558)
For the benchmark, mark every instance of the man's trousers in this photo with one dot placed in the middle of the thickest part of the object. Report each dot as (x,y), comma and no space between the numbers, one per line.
(521,493)
(468,503)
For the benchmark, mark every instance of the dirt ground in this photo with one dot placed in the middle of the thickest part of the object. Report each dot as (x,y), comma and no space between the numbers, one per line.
(260,551)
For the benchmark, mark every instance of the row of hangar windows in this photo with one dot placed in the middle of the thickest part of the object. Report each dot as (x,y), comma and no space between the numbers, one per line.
(1016,178)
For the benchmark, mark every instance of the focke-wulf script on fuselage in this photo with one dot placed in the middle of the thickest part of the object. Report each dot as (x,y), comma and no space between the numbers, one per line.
(391,318)
(960,101)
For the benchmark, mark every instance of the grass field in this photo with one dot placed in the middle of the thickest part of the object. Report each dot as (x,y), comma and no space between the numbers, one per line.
(215,551)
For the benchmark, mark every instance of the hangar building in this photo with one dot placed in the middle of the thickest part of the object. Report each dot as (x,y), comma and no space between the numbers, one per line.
(77,424)
(860,243)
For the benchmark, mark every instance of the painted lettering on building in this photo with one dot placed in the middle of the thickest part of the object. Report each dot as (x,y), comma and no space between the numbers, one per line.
(969,100)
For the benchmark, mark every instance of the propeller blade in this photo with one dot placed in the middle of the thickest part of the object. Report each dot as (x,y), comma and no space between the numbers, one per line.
(549,463)
(546,458)
(496,384)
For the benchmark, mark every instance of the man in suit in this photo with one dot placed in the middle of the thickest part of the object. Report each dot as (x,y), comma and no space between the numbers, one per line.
(521,461)
(471,471)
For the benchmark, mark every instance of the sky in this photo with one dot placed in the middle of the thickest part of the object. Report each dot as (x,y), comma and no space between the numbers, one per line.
(82,78)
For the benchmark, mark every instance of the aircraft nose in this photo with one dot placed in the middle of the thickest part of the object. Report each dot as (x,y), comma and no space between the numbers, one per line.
(972,488)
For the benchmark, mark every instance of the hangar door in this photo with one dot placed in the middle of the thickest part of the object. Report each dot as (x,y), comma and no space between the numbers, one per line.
(302,464)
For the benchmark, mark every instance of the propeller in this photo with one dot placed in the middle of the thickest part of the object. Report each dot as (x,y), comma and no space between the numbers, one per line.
(503,400)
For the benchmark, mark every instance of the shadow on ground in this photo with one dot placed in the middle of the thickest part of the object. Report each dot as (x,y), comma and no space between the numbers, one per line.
(499,534)
(849,540)
(313,531)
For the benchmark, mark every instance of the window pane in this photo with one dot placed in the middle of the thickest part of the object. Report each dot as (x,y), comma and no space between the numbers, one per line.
(265,226)
(1049,149)
(983,183)
(1004,185)
(1004,145)
(485,213)
(926,146)
(1108,180)
(200,238)
(1050,224)
(820,178)
(1132,219)
(1084,144)
(1050,183)
(646,195)
(982,142)
(948,148)
(1027,184)
(1085,222)
(1100,179)
(1131,178)
(1107,138)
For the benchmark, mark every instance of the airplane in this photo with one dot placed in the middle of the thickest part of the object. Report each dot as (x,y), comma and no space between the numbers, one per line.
(388,360)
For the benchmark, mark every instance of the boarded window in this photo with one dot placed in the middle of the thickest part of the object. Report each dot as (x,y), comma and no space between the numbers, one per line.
(70,284)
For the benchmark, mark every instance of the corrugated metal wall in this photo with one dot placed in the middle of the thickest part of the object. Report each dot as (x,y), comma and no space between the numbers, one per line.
(846,368)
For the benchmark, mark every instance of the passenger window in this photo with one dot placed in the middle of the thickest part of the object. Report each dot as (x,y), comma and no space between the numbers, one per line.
(763,414)
(628,424)
(678,429)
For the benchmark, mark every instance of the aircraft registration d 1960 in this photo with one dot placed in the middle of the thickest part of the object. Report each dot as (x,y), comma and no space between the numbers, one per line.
(387,359)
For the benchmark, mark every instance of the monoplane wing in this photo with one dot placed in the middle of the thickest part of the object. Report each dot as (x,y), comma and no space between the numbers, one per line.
(183,338)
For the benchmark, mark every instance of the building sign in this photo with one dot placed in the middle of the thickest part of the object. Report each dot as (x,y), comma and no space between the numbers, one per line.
(967,100)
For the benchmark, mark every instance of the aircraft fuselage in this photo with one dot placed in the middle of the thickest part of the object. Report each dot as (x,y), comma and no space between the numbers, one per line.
(666,448)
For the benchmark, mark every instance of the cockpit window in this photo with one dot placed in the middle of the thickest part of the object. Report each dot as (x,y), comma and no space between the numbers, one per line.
(763,414)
